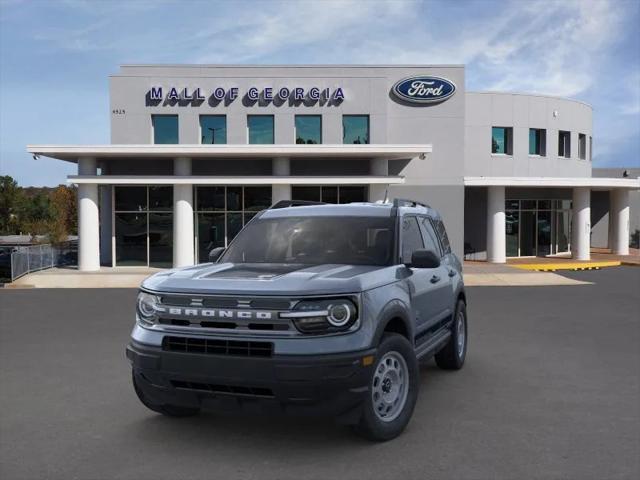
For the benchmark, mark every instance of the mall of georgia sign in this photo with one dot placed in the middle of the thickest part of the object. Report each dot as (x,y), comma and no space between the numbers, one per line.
(424,89)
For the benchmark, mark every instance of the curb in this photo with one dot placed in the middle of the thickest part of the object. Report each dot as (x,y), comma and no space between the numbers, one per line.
(575,266)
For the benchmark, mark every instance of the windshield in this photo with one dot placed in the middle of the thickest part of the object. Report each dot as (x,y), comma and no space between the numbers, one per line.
(314,241)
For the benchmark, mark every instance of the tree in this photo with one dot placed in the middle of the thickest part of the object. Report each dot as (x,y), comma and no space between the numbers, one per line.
(63,214)
(11,203)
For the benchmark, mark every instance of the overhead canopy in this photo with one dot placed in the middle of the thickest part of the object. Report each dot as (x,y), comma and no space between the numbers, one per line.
(566,182)
(232,180)
(72,153)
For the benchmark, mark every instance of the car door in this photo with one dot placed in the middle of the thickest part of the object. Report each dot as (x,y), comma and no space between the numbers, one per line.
(440,280)
(422,282)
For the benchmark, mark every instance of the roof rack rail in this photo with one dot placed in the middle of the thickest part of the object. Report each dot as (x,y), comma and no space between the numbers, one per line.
(403,202)
(294,203)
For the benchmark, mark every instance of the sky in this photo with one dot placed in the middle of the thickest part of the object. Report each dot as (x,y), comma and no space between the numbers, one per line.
(56,56)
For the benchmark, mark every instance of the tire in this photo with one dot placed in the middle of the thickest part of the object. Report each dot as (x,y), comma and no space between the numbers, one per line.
(452,356)
(166,409)
(382,419)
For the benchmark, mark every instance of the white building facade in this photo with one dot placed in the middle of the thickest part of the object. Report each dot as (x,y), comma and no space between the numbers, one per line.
(196,151)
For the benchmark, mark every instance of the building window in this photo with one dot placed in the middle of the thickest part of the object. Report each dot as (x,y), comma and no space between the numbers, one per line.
(165,129)
(582,146)
(590,148)
(502,140)
(330,193)
(213,129)
(221,212)
(537,141)
(308,129)
(564,144)
(355,129)
(260,129)
(143,221)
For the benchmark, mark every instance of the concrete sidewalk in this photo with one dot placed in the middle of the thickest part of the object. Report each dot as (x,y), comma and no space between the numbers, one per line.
(475,274)
(122,277)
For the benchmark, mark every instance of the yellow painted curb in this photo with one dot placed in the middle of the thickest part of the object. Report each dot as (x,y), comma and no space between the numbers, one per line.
(552,267)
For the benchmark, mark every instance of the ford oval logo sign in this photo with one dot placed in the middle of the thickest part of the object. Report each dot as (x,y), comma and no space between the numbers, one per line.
(424,89)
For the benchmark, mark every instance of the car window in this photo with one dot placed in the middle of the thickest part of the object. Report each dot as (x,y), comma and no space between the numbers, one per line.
(442,234)
(429,236)
(411,238)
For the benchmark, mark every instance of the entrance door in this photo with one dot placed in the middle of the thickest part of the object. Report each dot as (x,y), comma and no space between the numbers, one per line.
(528,233)
(544,233)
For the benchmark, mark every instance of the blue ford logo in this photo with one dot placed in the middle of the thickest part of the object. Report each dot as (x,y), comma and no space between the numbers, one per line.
(424,89)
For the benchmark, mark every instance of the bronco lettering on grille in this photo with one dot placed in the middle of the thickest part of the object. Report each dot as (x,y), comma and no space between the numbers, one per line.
(216,313)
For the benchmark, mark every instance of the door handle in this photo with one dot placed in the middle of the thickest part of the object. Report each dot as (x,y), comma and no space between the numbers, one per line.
(435,279)
(452,273)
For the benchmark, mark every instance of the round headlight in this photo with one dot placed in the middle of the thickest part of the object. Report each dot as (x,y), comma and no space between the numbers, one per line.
(146,305)
(340,314)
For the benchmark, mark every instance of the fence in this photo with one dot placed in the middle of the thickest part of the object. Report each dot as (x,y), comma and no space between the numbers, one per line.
(39,257)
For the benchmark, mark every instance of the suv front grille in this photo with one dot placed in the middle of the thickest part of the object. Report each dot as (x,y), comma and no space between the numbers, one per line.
(224,389)
(217,346)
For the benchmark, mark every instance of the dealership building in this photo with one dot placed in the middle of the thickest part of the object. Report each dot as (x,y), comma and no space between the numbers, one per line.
(197,150)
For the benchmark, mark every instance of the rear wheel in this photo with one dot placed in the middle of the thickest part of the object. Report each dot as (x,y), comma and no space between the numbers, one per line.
(452,356)
(166,409)
(393,390)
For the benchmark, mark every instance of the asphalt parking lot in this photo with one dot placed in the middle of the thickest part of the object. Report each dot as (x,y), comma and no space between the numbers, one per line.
(551,389)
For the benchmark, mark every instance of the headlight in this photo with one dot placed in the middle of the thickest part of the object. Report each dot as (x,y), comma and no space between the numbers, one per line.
(323,316)
(146,307)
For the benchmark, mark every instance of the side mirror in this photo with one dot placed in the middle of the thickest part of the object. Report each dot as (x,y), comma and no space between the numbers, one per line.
(424,259)
(215,254)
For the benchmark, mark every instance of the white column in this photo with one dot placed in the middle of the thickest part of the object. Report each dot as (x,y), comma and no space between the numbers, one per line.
(378,167)
(280,166)
(183,234)
(619,221)
(88,219)
(581,224)
(106,210)
(496,229)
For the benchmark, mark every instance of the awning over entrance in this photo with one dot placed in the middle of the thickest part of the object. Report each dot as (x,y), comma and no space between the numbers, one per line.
(72,153)
(236,180)
(594,183)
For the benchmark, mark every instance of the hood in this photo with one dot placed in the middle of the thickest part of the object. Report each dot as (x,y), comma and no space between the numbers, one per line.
(271,279)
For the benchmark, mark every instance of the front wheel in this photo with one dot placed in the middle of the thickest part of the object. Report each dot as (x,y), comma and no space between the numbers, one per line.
(393,390)
(452,356)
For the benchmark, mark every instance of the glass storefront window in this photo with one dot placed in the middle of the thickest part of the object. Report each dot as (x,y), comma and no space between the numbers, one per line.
(308,129)
(144,226)
(234,225)
(210,198)
(355,129)
(537,227)
(221,213)
(160,240)
(165,129)
(211,232)
(131,239)
(306,193)
(234,198)
(161,198)
(348,194)
(257,198)
(330,193)
(131,199)
(261,129)
(213,129)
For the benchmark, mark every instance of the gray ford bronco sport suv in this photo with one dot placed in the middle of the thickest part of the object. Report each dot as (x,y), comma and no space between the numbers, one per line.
(322,309)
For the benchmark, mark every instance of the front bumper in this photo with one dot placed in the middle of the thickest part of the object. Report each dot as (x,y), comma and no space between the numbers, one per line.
(327,385)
